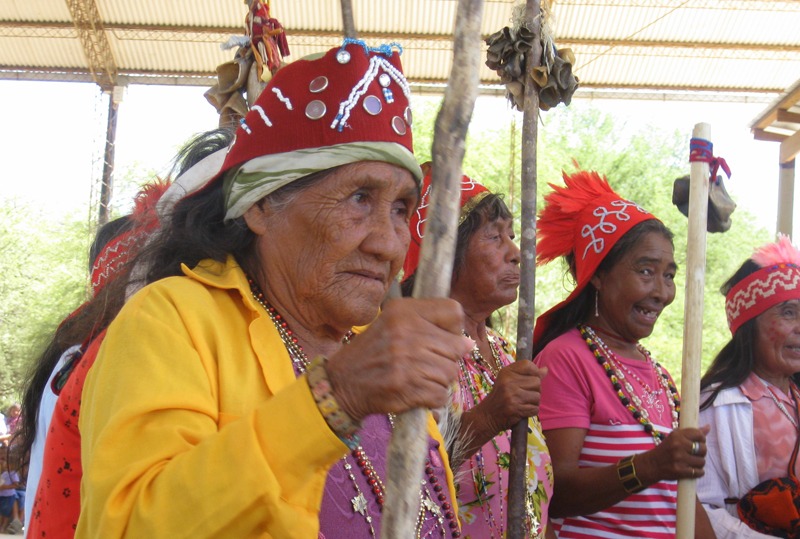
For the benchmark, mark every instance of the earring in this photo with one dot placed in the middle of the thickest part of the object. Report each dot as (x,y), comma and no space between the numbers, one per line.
(596,308)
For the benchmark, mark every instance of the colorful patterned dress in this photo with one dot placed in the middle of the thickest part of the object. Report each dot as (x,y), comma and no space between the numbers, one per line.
(482,481)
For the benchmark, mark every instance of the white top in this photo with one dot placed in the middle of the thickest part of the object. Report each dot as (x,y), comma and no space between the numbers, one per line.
(731,468)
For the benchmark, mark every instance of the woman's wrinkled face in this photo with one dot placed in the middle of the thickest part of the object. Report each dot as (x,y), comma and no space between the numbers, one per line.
(777,341)
(635,291)
(489,278)
(330,255)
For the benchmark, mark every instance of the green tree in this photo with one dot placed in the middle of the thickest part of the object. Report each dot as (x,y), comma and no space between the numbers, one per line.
(43,264)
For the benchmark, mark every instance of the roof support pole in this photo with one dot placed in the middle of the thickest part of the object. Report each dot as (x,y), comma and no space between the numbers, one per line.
(107,184)
(786,198)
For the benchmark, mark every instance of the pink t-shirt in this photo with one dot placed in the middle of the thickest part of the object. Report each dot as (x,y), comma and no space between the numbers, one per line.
(773,433)
(577,393)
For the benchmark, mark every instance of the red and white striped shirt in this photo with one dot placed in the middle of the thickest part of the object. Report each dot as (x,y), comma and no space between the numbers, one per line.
(577,394)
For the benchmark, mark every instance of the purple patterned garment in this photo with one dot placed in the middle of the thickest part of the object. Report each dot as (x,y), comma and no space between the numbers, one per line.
(339,518)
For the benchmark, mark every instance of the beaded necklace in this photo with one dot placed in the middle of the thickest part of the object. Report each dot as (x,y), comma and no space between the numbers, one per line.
(493,370)
(632,402)
(359,501)
(480,480)
(652,398)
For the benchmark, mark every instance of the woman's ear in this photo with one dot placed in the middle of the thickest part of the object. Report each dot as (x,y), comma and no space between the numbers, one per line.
(256,218)
(596,282)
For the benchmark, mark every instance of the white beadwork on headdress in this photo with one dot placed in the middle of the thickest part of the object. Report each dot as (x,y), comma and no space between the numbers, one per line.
(245,127)
(264,114)
(375,63)
(466,185)
(423,203)
(598,244)
(786,278)
(284,100)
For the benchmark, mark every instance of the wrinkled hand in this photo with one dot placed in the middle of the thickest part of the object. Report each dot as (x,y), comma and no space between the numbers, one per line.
(406,359)
(516,395)
(672,458)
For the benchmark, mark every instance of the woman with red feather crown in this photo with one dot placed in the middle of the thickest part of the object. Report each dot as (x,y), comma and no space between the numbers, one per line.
(609,410)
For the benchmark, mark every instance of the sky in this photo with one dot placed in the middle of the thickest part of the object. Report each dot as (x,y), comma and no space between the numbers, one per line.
(52,130)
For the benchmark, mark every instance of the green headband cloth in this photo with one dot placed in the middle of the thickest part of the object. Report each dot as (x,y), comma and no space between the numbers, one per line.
(247,184)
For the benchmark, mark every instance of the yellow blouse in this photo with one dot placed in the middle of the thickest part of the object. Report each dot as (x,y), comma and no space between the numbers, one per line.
(193,423)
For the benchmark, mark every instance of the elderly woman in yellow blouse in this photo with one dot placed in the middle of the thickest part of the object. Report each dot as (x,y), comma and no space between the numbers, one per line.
(211,410)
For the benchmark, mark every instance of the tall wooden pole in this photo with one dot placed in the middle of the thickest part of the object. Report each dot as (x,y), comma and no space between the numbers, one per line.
(517,481)
(409,442)
(693,324)
(786,198)
(106,185)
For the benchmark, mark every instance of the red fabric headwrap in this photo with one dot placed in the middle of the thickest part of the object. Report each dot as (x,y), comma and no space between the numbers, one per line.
(586,218)
(286,116)
(121,249)
(471,194)
(777,281)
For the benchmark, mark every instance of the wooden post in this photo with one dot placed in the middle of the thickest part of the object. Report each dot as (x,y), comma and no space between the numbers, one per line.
(517,480)
(409,442)
(786,198)
(107,185)
(693,324)
(348,20)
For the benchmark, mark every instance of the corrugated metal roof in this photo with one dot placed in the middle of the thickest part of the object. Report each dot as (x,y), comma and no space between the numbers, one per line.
(735,45)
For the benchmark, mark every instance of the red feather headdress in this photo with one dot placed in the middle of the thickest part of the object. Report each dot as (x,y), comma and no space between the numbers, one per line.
(777,281)
(121,249)
(586,218)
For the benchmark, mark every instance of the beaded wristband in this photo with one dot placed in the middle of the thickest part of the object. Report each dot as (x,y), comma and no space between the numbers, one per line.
(627,475)
(337,419)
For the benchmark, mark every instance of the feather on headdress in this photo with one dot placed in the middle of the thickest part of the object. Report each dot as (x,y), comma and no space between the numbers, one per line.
(585,217)
(780,252)
(557,225)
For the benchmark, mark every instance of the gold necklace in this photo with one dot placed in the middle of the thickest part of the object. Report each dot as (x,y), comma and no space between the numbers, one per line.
(494,370)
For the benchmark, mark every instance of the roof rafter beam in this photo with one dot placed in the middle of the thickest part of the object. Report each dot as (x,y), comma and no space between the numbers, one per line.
(730,5)
(89,26)
(413,40)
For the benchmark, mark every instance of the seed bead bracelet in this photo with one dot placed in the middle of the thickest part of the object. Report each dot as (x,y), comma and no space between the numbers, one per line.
(337,419)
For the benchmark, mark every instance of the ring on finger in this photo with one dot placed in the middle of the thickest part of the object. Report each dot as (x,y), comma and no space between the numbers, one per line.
(695,448)
(693,472)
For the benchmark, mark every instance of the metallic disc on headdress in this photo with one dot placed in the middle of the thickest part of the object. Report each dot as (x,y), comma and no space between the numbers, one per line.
(342,56)
(372,105)
(316,109)
(408,116)
(318,84)
(384,80)
(399,125)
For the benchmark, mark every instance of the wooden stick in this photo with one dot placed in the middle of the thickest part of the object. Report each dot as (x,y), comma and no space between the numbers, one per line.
(693,324)
(517,480)
(409,443)
(348,21)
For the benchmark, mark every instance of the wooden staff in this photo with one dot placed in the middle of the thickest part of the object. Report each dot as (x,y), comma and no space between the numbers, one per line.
(348,20)
(693,324)
(409,443)
(517,480)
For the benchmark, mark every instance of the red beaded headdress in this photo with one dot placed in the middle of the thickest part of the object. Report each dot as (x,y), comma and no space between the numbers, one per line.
(472,193)
(121,249)
(777,281)
(585,218)
(320,112)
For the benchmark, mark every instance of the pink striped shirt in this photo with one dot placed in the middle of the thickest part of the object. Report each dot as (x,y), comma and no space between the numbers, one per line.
(577,394)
